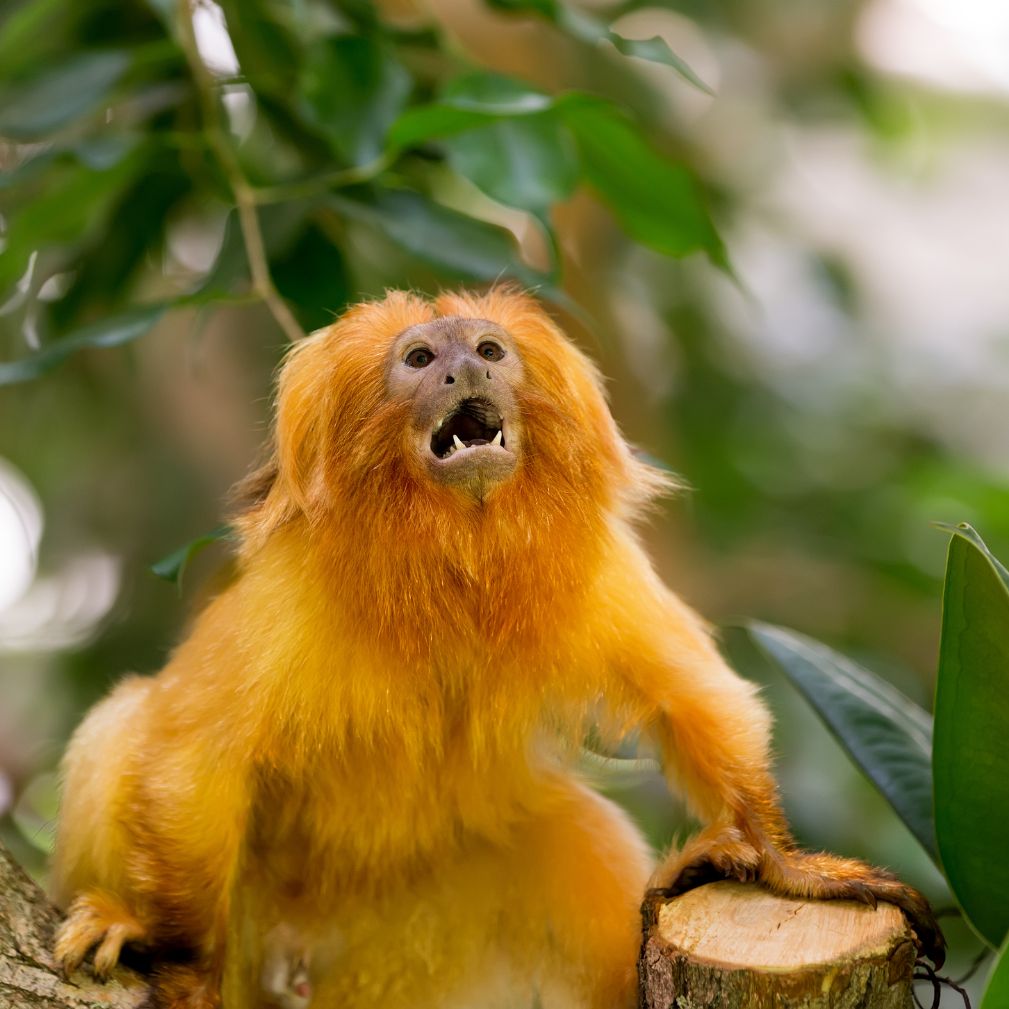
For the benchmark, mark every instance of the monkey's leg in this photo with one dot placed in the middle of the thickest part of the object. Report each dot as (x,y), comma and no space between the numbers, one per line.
(89,868)
(577,874)
(142,856)
(549,919)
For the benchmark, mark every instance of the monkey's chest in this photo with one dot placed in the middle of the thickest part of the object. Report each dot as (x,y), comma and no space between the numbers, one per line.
(361,811)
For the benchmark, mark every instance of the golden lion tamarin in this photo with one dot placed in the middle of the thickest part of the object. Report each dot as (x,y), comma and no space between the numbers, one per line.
(352,783)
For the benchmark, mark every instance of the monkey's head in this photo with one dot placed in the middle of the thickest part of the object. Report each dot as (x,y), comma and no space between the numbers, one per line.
(431,419)
(462,379)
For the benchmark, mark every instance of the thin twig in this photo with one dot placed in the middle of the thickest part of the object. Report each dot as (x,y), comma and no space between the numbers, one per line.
(926,973)
(244,194)
(284,191)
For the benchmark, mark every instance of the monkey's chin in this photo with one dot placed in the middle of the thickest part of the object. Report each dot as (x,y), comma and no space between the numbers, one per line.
(477,469)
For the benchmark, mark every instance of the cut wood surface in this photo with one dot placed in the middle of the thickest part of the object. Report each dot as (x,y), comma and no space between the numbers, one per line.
(29,976)
(736,946)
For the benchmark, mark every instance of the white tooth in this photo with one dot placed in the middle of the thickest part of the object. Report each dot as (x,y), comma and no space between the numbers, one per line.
(457,442)
(497,439)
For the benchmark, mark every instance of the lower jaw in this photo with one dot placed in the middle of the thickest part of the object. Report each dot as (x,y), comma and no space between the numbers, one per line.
(476,476)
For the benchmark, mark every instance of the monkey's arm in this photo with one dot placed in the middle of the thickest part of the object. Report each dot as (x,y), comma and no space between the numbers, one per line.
(713,733)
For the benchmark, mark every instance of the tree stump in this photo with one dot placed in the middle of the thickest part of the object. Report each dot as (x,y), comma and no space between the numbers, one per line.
(29,976)
(736,946)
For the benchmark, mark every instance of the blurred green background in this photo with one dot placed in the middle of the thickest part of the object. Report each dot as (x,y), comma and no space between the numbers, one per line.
(788,252)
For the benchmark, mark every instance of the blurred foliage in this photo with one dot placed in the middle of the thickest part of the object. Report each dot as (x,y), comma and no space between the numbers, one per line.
(965,829)
(888,736)
(349,117)
(173,212)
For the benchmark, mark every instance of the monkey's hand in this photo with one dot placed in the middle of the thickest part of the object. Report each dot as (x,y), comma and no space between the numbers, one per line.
(723,851)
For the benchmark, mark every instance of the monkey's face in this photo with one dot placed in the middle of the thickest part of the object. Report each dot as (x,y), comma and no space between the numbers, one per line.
(406,408)
(460,377)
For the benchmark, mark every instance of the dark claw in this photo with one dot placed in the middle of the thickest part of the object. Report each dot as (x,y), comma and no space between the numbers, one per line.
(931,941)
(861,892)
(694,875)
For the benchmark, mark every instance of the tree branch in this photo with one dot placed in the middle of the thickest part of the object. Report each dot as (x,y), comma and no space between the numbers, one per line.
(29,975)
(243,193)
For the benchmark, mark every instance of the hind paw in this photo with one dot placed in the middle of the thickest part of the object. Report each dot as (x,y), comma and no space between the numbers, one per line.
(96,919)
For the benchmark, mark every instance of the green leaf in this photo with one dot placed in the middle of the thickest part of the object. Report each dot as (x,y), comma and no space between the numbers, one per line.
(887,735)
(656,50)
(36,810)
(98,153)
(525,156)
(32,108)
(312,277)
(73,202)
(971,760)
(495,94)
(173,567)
(586,28)
(469,102)
(281,224)
(29,29)
(426,122)
(461,245)
(528,163)
(658,203)
(996,993)
(260,31)
(352,89)
(111,332)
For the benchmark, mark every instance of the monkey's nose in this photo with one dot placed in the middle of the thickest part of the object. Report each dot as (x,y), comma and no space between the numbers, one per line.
(449,379)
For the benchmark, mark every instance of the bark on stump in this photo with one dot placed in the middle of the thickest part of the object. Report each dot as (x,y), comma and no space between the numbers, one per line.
(29,976)
(736,946)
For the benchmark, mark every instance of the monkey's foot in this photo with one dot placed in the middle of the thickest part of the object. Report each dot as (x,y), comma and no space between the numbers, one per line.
(186,986)
(723,852)
(96,918)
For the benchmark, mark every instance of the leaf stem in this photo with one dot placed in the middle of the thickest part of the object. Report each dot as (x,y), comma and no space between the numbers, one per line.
(244,194)
(316,185)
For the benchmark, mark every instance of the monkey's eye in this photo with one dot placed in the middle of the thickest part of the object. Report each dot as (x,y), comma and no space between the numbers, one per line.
(419,357)
(490,350)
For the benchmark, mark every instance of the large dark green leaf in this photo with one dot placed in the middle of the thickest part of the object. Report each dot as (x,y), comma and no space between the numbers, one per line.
(282,224)
(586,28)
(110,332)
(115,257)
(472,101)
(528,163)
(264,44)
(996,993)
(352,89)
(26,28)
(98,153)
(461,245)
(312,277)
(657,202)
(971,765)
(887,735)
(52,99)
(528,160)
(74,200)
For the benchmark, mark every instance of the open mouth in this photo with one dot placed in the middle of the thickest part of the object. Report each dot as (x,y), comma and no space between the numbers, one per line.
(471,423)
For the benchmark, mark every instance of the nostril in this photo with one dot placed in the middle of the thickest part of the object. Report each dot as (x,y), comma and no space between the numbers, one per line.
(488,376)
(449,380)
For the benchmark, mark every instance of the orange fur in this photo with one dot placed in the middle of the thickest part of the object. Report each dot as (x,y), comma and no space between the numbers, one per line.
(364,744)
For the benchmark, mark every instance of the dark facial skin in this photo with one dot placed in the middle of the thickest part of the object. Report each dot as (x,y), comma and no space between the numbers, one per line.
(459,376)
